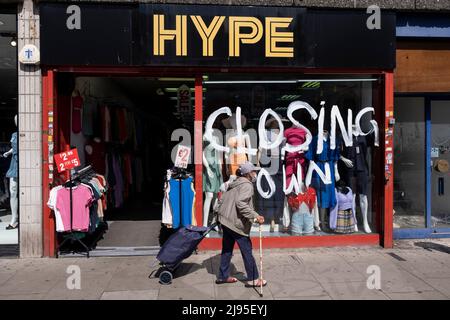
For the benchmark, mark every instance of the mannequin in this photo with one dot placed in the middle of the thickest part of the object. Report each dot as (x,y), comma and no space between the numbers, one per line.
(357,172)
(294,136)
(305,212)
(236,157)
(212,177)
(12,174)
(343,215)
(326,195)
(270,160)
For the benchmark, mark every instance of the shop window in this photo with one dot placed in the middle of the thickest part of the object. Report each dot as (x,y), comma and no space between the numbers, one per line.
(321,188)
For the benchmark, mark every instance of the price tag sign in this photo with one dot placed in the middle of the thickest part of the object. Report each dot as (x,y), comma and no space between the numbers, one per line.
(67,160)
(182,158)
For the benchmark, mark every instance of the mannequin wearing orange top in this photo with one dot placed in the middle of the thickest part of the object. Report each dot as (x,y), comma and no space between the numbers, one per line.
(235,157)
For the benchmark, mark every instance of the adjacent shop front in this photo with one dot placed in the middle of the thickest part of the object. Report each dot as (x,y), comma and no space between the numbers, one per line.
(281,87)
(422,138)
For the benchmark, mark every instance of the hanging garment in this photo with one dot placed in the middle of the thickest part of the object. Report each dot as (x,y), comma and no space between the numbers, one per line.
(122,125)
(118,187)
(93,208)
(14,164)
(89,116)
(295,137)
(105,123)
(326,196)
(342,215)
(104,198)
(97,156)
(77,109)
(82,198)
(182,203)
(358,155)
(51,203)
(167,217)
(211,184)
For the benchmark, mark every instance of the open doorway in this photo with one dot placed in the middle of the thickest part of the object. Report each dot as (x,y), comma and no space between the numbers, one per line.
(9,208)
(123,129)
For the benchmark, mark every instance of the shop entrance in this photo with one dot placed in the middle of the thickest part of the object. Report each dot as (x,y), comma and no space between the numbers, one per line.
(422,146)
(9,162)
(122,127)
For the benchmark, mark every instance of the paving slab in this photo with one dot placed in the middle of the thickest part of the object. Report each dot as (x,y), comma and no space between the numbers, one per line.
(28,283)
(296,288)
(197,292)
(423,268)
(5,276)
(130,295)
(238,291)
(35,296)
(92,287)
(418,295)
(353,291)
(396,279)
(287,273)
(333,270)
(441,285)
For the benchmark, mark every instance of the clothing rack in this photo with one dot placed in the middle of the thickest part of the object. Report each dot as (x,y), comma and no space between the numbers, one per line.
(86,172)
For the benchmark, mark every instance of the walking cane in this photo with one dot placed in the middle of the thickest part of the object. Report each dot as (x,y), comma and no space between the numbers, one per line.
(260,261)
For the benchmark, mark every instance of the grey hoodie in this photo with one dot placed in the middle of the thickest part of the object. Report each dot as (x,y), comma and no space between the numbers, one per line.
(236,210)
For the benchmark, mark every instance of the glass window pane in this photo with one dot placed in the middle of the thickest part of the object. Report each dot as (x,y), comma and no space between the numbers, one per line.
(288,212)
(440,177)
(409,163)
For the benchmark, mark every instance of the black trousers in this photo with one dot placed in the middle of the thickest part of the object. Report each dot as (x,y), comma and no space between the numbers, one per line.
(245,245)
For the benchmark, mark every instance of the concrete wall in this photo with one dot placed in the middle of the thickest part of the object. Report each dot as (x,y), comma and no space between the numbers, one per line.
(386,4)
(30,132)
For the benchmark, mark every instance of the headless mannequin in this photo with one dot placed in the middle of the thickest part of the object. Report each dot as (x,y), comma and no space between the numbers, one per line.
(275,131)
(209,196)
(363,201)
(324,212)
(12,175)
(234,158)
(286,210)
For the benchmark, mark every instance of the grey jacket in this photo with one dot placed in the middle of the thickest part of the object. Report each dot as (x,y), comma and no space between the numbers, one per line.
(235,210)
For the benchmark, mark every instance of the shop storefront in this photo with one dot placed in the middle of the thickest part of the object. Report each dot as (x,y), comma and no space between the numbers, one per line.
(9,226)
(422,138)
(288,85)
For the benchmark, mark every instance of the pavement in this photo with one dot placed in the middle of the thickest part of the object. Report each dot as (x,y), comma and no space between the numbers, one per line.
(413,269)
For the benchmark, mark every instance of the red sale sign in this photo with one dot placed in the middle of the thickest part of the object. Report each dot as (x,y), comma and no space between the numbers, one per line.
(67,160)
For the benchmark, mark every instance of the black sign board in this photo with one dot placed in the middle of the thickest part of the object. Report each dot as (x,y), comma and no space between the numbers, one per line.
(217,36)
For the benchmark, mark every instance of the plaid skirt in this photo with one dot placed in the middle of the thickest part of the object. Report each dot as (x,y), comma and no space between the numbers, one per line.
(345,222)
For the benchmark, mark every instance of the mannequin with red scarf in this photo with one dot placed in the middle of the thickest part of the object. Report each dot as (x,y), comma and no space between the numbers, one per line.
(305,212)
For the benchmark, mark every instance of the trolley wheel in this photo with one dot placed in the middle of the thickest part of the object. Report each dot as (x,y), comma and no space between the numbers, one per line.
(165,277)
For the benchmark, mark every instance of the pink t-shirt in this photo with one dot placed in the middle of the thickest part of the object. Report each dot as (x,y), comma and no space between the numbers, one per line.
(81,200)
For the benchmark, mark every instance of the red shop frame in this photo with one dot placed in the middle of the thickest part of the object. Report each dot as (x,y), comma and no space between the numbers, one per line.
(382,204)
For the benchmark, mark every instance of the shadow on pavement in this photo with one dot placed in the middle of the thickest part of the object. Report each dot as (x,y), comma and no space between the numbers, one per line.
(430,246)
